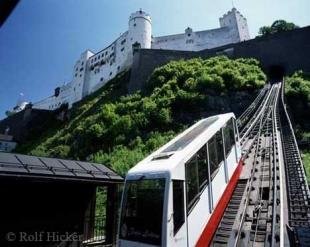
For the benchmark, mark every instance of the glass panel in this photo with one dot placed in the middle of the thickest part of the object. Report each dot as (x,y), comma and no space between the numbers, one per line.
(216,152)
(192,181)
(202,167)
(235,128)
(142,211)
(229,136)
(219,146)
(190,136)
(178,204)
(213,160)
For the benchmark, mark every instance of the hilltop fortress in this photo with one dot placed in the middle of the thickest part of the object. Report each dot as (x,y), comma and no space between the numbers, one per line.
(92,70)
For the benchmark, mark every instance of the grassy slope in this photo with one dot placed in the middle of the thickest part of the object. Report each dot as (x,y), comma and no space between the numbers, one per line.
(118,130)
(306,160)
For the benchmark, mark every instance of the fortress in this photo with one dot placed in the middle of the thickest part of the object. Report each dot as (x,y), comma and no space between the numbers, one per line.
(93,70)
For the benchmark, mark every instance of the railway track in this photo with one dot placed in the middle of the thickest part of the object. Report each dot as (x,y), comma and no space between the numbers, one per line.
(257,214)
(298,195)
(249,112)
(271,203)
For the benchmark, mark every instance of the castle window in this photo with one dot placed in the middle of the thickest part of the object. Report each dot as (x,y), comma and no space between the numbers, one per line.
(188,34)
(82,63)
(101,79)
(110,73)
(123,41)
(189,41)
(106,53)
(80,75)
(122,49)
(75,74)
(118,67)
(81,69)
(134,24)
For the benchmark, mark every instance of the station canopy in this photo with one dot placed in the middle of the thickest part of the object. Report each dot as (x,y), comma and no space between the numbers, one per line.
(25,166)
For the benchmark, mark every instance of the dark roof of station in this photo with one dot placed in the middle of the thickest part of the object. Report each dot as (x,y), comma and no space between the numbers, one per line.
(25,166)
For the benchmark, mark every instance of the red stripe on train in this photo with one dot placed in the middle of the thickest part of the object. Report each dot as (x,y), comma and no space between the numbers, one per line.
(210,229)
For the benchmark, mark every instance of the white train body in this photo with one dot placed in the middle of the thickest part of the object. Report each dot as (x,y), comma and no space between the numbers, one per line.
(177,195)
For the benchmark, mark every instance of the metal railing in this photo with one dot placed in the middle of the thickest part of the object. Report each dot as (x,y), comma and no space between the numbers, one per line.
(95,231)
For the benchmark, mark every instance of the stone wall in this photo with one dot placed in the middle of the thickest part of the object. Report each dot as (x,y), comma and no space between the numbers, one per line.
(22,124)
(289,51)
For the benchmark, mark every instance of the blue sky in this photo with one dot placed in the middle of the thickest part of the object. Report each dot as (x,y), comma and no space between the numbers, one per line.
(41,40)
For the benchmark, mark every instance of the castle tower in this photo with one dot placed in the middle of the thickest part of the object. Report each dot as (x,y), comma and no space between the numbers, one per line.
(236,21)
(79,86)
(140,29)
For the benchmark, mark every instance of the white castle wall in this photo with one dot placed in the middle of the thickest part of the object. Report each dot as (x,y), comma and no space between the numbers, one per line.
(233,29)
(235,20)
(92,71)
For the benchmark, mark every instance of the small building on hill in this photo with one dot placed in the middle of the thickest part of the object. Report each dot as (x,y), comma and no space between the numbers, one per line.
(7,144)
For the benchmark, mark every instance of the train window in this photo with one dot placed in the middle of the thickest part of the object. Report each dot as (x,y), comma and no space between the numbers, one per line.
(192,185)
(202,167)
(216,154)
(229,136)
(236,131)
(139,221)
(196,176)
(191,135)
(178,204)
(219,146)
(212,156)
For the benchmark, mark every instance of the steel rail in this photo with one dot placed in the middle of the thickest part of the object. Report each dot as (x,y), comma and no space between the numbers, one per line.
(298,193)
(256,116)
(275,161)
(251,108)
(263,118)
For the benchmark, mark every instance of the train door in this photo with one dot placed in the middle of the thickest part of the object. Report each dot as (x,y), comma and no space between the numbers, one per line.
(177,228)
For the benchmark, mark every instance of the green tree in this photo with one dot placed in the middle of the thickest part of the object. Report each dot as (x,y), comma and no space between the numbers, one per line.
(277,27)
(118,130)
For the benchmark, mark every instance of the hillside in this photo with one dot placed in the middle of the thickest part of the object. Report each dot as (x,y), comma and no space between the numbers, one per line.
(117,129)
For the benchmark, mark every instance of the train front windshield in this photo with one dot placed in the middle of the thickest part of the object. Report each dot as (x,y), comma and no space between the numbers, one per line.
(142,211)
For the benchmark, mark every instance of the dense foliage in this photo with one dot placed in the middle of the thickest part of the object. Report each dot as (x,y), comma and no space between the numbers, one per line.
(118,130)
(277,27)
(298,86)
(306,160)
(297,90)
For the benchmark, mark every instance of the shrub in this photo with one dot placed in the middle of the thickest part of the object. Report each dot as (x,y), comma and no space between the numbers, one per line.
(118,130)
